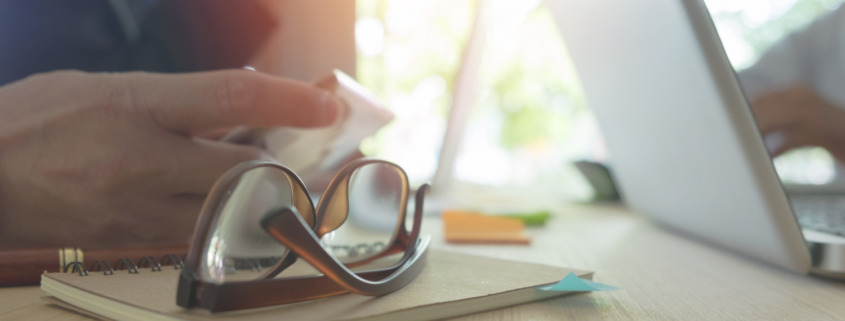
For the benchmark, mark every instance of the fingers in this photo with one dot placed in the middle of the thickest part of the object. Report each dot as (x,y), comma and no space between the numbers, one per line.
(215,134)
(155,220)
(797,117)
(200,102)
(778,111)
(183,218)
(784,141)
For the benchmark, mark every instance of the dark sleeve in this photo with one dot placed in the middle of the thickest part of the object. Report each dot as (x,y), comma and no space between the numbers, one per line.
(176,35)
(211,34)
(43,35)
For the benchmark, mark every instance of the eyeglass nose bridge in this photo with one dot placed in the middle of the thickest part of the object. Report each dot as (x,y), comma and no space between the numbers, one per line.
(336,210)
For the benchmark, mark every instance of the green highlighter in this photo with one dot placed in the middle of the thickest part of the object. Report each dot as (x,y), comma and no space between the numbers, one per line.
(537,218)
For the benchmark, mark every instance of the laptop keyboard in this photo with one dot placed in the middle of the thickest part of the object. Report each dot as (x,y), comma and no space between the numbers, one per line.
(823,213)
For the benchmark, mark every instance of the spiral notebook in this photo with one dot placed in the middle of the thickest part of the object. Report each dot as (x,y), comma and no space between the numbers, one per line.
(451,284)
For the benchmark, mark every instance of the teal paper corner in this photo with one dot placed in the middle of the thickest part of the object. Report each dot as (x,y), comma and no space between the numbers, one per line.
(572,283)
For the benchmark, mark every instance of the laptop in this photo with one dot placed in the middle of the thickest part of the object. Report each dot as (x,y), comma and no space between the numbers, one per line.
(684,146)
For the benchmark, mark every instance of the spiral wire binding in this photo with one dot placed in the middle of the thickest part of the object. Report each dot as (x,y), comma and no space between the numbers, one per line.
(170,258)
(128,263)
(102,265)
(131,267)
(252,264)
(361,248)
(77,266)
(155,266)
(269,261)
(255,264)
(178,262)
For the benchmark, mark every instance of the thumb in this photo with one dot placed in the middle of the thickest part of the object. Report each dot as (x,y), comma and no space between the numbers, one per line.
(199,102)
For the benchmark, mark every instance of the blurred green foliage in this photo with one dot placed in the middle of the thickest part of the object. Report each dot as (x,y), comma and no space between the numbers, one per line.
(528,94)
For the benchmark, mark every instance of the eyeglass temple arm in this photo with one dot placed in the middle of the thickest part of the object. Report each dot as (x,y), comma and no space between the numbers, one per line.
(418,214)
(287,226)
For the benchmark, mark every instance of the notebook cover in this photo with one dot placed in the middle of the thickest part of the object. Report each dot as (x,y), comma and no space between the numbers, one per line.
(451,284)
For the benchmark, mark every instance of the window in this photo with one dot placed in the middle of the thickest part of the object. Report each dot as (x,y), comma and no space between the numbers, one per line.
(527,119)
(527,116)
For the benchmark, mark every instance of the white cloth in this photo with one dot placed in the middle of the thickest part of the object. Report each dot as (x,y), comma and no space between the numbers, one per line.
(812,57)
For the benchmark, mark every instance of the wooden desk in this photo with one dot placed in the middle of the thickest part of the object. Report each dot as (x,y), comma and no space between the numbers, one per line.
(662,276)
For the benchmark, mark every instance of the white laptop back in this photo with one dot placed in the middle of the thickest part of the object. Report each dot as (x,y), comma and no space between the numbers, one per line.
(683,143)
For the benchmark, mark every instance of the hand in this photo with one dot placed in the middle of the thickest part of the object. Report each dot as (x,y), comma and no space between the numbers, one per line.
(104,160)
(798,117)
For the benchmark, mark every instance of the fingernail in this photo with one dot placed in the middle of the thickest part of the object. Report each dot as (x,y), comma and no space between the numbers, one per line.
(328,110)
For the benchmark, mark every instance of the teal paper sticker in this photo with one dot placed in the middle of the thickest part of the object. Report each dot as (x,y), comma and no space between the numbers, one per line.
(573,283)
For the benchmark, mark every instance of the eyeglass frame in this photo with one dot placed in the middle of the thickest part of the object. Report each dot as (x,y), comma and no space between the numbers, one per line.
(302,240)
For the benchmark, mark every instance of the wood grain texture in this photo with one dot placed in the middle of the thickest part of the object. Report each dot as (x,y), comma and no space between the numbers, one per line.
(662,276)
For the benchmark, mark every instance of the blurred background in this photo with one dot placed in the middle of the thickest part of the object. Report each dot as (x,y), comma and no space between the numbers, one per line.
(502,67)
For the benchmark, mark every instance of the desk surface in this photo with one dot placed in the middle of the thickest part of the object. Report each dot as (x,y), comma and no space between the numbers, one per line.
(662,276)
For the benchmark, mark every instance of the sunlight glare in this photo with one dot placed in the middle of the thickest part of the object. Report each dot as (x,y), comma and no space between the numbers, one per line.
(369,36)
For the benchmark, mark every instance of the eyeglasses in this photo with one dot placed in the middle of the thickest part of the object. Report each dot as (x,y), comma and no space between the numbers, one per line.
(259,219)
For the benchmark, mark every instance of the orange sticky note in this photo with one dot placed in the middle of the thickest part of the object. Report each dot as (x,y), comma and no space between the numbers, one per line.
(469,227)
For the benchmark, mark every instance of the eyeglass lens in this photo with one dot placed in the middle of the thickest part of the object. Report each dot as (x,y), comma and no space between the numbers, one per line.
(240,249)
(375,207)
